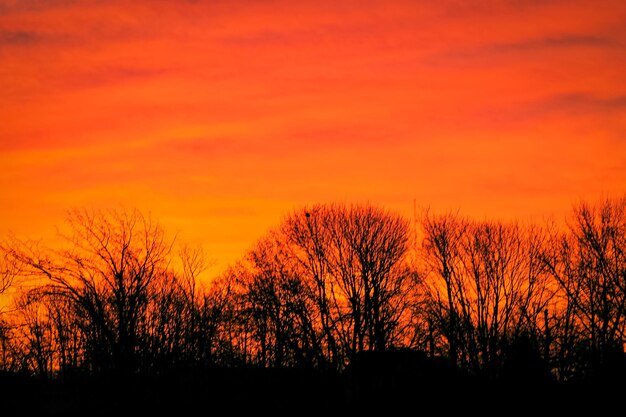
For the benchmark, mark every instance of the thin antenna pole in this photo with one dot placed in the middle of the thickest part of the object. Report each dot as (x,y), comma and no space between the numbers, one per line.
(415,226)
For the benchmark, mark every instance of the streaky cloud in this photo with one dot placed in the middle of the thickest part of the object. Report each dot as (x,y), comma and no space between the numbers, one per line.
(19,38)
(487,53)
(550,42)
(582,102)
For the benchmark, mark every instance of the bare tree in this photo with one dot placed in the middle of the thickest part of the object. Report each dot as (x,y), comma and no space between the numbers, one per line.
(36,335)
(330,283)
(278,306)
(9,270)
(442,252)
(353,262)
(184,319)
(486,287)
(589,264)
(113,261)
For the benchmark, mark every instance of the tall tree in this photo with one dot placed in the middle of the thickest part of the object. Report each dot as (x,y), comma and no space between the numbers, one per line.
(486,287)
(589,264)
(353,262)
(112,263)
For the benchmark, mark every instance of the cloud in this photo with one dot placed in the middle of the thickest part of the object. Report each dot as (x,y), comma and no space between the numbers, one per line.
(487,53)
(267,37)
(19,38)
(577,103)
(30,6)
(467,9)
(552,42)
(37,39)
(111,75)
(317,34)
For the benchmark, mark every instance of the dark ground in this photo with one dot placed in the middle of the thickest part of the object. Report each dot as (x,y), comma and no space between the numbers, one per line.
(400,385)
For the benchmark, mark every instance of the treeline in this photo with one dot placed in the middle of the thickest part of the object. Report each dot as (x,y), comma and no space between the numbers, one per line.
(329,285)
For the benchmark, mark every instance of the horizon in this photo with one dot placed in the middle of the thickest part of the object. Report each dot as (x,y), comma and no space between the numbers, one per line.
(216,268)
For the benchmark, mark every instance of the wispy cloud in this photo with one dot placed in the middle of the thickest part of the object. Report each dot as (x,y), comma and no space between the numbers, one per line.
(23,39)
(467,9)
(552,42)
(110,75)
(487,53)
(29,6)
(268,37)
(19,38)
(576,103)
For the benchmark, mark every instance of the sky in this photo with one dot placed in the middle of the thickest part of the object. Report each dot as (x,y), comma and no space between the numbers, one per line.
(220,117)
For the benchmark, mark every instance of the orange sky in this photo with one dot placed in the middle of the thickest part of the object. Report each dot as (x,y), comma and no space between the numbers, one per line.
(221,116)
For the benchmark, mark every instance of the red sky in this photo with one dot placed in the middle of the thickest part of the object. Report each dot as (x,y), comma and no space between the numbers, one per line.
(219,117)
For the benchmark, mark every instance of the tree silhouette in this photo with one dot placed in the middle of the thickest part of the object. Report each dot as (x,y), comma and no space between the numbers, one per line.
(486,285)
(112,265)
(9,270)
(589,264)
(330,282)
(354,265)
(334,296)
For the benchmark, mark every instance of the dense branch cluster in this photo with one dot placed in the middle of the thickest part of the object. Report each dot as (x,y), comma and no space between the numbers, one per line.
(331,283)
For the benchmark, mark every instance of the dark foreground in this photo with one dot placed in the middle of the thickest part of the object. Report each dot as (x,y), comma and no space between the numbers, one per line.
(384,388)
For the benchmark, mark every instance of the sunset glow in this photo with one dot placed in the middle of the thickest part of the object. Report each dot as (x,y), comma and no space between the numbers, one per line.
(219,117)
